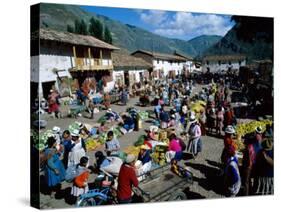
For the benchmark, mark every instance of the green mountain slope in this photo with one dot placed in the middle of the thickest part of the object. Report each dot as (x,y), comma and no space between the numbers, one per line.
(253,40)
(131,38)
(203,42)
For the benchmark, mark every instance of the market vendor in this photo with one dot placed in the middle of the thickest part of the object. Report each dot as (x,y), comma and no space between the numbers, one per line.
(194,144)
(112,145)
(228,143)
(164,118)
(112,115)
(79,149)
(175,148)
(126,179)
(106,164)
(128,123)
(57,134)
(144,157)
(232,179)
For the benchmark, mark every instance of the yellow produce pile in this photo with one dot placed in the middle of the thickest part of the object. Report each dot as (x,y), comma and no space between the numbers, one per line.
(132,150)
(158,156)
(243,129)
(240,145)
(198,106)
(92,144)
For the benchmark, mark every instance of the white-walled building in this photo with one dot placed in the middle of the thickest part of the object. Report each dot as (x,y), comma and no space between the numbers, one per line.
(223,63)
(164,64)
(128,69)
(64,55)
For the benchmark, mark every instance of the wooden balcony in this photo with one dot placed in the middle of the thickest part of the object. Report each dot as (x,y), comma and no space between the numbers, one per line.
(88,64)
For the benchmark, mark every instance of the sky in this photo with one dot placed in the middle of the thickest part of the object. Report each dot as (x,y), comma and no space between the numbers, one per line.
(181,25)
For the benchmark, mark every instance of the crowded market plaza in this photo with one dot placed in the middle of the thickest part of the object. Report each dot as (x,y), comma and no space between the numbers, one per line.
(179,138)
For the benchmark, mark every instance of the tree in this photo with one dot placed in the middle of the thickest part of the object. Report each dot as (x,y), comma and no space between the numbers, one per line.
(69,28)
(83,28)
(77,26)
(96,28)
(80,27)
(107,36)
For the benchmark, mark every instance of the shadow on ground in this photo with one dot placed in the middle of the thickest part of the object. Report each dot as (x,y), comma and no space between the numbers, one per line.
(212,181)
(192,195)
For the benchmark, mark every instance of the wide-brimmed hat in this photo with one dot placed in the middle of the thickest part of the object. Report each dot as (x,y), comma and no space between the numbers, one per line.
(267,144)
(75,133)
(130,158)
(144,146)
(229,129)
(81,125)
(259,129)
(192,119)
(56,129)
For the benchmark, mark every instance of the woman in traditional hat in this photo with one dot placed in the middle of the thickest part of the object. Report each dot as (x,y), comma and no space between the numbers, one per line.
(232,179)
(54,169)
(228,143)
(79,149)
(194,136)
(263,169)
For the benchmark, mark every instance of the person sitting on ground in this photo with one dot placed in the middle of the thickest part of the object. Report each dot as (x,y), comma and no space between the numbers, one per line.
(80,182)
(110,165)
(128,123)
(126,179)
(144,157)
(112,115)
(112,145)
(102,128)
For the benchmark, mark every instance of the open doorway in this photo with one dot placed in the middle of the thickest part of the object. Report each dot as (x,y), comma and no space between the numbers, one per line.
(47,86)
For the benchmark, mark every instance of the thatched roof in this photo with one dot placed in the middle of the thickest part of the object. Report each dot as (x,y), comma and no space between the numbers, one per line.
(71,38)
(125,61)
(161,56)
(224,57)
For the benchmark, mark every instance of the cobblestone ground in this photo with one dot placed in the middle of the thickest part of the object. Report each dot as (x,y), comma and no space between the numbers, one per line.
(205,168)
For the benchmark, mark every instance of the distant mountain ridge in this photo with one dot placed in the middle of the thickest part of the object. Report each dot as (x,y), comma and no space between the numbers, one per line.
(256,41)
(128,37)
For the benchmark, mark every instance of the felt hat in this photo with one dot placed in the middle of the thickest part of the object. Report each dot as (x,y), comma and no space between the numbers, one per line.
(229,129)
(259,129)
(81,125)
(192,119)
(75,133)
(130,158)
(56,129)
